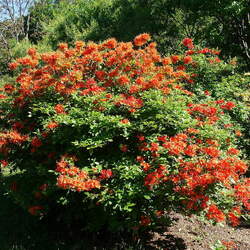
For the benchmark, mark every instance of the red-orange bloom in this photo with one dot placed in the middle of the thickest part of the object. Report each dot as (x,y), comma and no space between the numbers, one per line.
(13,65)
(215,213)
(175,58)
(62,46)
(52,125)
(141,39)
(36,142)
(79,44)
(166,61)
(211,151)
(4,163)
(59,108)
(32,52)
(145,221)
(228,105)
(238,133)
(110,43)
(233,151)
(187,59)
(125,121)
(9,88)
(34,209)
(234,220)
(124,148)
(229,244)
(106,174)
(188,42)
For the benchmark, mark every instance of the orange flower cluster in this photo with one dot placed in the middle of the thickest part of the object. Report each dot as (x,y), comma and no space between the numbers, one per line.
(125,67)
(59,109)
(73,178)
(242,192)
(215,213)
(12,136)
(141,39)
(204,112)
(9,138)
(155,177)
(200,166)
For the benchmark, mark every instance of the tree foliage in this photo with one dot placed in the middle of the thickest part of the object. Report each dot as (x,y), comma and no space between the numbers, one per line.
(221,23)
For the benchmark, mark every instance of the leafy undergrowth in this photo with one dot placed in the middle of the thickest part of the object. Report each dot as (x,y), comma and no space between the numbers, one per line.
(20,231)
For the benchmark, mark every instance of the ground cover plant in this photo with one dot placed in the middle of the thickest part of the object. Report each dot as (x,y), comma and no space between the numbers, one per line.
(113,135)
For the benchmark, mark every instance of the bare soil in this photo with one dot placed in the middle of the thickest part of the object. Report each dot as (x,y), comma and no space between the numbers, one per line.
(192,234)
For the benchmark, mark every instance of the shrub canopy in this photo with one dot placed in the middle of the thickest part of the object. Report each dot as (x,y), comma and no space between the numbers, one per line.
(117,135)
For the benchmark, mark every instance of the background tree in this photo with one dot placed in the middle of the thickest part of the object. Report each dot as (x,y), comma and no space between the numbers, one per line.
(223,24)
(232,22)
(14,26)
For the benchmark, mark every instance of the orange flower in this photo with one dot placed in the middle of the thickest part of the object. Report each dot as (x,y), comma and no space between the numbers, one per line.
(233,151)
(106,174)
(230,245)
(145,221)
(124,148)
(187,59)
(211,151)
(188,42)
(141,39)
(36,142)
(175,59)
(191,150)
(234,220)
(63,46)
(13,66)
(159,213)
(166,61)
(123,80)
(110,43)
(59,108)
(34,209)
(228,105)
(4,163)
(215,213)
(79,44)
(124,121)
(32,52)
(52,125)
(9,88)
(238,133)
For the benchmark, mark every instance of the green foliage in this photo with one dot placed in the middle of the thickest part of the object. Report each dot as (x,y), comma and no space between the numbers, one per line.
(42,11)
(222,24)
(216,24)
(116,136)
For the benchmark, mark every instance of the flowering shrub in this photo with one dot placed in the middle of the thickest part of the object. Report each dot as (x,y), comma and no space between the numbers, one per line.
(119,135)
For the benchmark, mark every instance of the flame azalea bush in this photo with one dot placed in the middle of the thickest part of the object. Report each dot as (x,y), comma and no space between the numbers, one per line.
(115,135)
